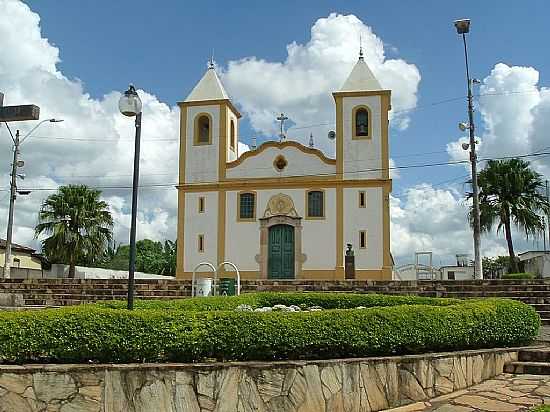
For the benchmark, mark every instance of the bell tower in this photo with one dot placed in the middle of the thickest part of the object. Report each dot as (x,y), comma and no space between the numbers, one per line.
(362,108)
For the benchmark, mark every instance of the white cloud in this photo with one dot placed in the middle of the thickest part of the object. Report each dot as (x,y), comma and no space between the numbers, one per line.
(301,86)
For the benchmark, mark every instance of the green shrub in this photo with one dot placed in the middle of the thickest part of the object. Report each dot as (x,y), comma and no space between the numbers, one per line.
(516,276)
(256,300)
(542,408)
(90,333)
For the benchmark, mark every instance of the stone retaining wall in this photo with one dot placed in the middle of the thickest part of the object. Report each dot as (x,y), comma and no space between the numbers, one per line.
(351,385)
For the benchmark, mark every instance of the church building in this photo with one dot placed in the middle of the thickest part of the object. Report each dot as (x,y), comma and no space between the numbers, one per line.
(284,210)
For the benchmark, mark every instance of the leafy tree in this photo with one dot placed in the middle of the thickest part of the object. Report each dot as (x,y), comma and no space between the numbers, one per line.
(151,257)
(510,192)
(78,225)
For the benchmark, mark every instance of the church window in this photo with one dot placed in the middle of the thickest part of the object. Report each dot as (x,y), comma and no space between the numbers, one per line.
(361,122)
(362,199)
(203,129)
(363,239)
(201,204)
(247,206)
(315,204)
(201,243)
(232,139)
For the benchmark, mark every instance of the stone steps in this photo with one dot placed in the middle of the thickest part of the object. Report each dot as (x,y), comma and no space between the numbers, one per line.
(529,368)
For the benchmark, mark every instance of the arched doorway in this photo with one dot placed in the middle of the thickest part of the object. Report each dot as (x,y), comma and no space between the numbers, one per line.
(281,252)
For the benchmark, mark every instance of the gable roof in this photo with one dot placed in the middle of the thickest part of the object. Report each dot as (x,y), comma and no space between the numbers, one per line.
(208,88)
(361,79)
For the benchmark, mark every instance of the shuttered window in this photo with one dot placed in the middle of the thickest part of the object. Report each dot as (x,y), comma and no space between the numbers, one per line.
(315,204)
(247,206)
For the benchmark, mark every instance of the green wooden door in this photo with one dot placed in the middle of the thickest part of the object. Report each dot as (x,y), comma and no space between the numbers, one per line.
(281,252)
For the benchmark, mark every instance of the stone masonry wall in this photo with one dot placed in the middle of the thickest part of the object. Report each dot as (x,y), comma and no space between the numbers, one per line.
(350,385)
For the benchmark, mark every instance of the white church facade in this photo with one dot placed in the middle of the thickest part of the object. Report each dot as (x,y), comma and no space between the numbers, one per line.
(284,210)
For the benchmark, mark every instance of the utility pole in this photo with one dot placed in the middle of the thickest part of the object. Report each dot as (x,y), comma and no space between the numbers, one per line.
(13,195)
(463,27)
(548,215)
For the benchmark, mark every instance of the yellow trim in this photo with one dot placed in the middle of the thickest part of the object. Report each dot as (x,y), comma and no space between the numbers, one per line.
(281,146)
(307,274)
(340,274)
(222,155)
(306,213)
(181,233)
(354,135)
(183,143)
(200,243)
(339,138)
(221,226)
(196,141)
(362,93)
(211,103)
(362,205)
(284,183)
(387,258)
(232,135)
(362,239)
(202,204)
(384,122)
(248,219)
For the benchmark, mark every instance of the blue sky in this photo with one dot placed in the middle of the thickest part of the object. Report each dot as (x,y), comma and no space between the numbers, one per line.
(162,47)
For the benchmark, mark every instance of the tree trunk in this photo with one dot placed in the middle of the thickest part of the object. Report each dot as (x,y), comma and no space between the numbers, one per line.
(508,233)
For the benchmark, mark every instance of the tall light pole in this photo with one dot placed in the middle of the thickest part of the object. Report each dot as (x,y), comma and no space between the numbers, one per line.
(14,192)
(463,27)
(130,105)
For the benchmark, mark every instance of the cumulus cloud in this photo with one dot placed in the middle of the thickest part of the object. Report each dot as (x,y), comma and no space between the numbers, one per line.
(301,86)
(94,144)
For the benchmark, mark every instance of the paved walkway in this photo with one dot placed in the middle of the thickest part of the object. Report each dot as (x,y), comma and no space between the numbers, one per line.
(505,393)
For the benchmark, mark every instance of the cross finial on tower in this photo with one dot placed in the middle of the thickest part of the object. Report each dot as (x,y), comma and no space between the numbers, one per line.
(311,143)
(211,61)
(282,119)
(360,48)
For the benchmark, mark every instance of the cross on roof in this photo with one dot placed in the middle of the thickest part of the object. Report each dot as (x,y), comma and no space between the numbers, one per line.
(282,119)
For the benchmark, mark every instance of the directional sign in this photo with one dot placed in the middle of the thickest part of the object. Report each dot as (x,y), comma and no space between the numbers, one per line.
(19,113)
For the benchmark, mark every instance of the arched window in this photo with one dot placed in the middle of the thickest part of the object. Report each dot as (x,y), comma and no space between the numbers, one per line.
(362,122)
(232,135)
(247,206)
(315,203)
(203,132)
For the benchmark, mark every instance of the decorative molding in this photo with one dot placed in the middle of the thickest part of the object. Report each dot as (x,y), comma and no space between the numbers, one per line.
(281,146)
(280,205)
(280,163)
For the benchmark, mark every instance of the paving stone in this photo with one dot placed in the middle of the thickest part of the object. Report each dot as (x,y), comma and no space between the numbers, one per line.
(526,400)
(486,404)
(453,408)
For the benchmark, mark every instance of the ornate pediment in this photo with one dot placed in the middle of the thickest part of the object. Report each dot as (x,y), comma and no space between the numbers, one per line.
(280,205)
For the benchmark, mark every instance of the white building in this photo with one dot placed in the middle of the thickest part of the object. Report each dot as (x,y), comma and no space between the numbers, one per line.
(284,210)
(536,262)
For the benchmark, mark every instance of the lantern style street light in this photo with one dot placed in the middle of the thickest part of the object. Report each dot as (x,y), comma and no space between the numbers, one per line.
(130,105)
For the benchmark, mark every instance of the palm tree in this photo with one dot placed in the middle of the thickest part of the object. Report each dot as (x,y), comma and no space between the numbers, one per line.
(511,192)
(78,223)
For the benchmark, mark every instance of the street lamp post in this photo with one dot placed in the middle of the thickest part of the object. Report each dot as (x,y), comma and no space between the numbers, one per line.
(130,105)
(463,27)
(14,192)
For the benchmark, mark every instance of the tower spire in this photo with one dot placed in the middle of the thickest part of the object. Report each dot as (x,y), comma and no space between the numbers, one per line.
(360,47)
(211,61)
(311,143)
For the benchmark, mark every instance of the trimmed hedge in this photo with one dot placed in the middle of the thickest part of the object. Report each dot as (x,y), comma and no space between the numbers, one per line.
(333,300)
(94,334)
(523,275)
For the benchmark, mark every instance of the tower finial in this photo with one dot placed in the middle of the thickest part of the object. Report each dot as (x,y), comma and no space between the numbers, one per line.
(282,119)
(311,143)
(211,61)
(360,47)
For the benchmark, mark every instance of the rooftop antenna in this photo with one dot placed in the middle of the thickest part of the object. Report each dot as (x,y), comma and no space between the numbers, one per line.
(360,47)
(311,143)
(282,119)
